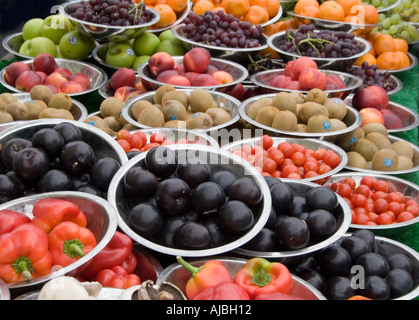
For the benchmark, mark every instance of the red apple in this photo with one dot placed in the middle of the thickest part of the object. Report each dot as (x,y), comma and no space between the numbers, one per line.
(370,97)
(173,77)
(371,115)
(197,60)
(391,119)
(312,78)
(191,75)
(122,77)
(159,62)
(223,77)
(180,68)
(335,80)
(211,69)
(13,70)
(301,64)
(43,75)
(287,70)
(80,78)
(204,80)
(26,80)
(72,86)
(279,81)
(56,79)
(44,62)
(122,92)
(64,72)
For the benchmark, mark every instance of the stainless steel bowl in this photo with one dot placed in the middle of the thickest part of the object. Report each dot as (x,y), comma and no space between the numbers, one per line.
(343,219)
(237,71)
(391,6)
(107,33)
(212,156)
(352,120)
(409,189)
(393,78)
(352,82)
(97,76)
(179,19)
(308,143)
(323,63)
(101,220)
(226,101)
(99,54)
(106,91)
(179,276)
(4,291)
(413,63)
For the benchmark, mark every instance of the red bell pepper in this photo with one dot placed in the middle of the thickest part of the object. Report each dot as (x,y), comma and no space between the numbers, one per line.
(49,212)
(260,276)
(117,277)
(223,291)
(68,242)
(24,254)
(10,219)
(209,274)
(116,253)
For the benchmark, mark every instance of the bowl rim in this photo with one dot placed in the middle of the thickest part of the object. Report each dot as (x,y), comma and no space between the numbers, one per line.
(179,20)
(333,22)
(201,252)
(343,175)
(317,59)
(392,6)
(4,291)
(100,71)
(99,60)
(111,212)
(127,105)
(321,135)
(413,63)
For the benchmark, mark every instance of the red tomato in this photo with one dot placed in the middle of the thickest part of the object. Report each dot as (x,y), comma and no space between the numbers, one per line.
(380,185)
(310,174)
(122,134)
(380,205)
(363,189)
(288,169)
(266,142)
(362,218)
(149,146)
(269,165)
(413,208)
(405,216)
(135,141)
(168,142)
(344,190)
(311,166)
(373,216)
(299,148)
(298,158)
(379,195)
(396,207)
(360,210)
(351,182)
(331,158)
(359,200)
(334,186)
(369,206)
(384,218)
(277,156)
(124,144)
(142,135)
(276,174)
(286,148)
(294,175)
(157,137)
(286,162)
(393,197)
(368,181)
(324,168)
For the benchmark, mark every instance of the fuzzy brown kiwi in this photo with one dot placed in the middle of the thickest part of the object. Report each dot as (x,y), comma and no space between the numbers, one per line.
(285,101)
(18,110)
(380,140)
(337,125)
(8,97)
(255,107)
(403,148)
(266,116)
(298,96)
(139,106)
(385,160)
(319,123)
(200,100)
(111,107)
(349,139)
(35,107)
(56,113)
(180,124)
(375,127)
(218,115)
(113,123)
(309,109)
(151,117)
(173,110)
(5,117)
(3,104)
(285,120)
(60,100)
(336,107)
(96,121)
(301,127)
(316,95)
(199,120)
(365,147)
(180,96)
(158,94)
(41,92)
(404,163)
(356,160)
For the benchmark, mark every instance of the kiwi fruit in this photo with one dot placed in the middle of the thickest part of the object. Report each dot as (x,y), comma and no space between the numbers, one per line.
(5,117)
(41,92)
(284,101)
(18,110)
(109,131)
(218,115)
(298,96)
(111,107)
(113,123)
(285,120)
(56,113)
(60,100)
(336,107)
(319,123)
(380,140)
(129,126)
(3,104)
(139,106)
(301,127)
(173,110)
(356,160)
(158,94)
(200,100)
(349,139)
(365,147)
(8,97)
(96,121)
(309,109)
(35,107)
(337,125)
(385,160)
(405,163)
(199,120)
(255,107)
(151,117)
(180,96)
(175,124)
(375,127)
(316,95)
(266,116)
(403,148)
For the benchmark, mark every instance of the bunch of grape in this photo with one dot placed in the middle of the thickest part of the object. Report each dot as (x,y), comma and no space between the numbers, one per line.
(323,43)
(222,30)
(262,63)
(380,4)
(393,24)
(370,76)
(111,12)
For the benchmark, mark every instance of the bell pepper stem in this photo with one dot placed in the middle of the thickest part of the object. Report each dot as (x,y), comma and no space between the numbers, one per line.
(261,278)
(73,248)
(193,270)
(23,265)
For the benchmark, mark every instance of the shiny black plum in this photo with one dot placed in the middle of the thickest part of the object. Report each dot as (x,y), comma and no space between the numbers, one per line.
(224,178)
(50,140)
(246,190)
(374,264)
(173,196)
(293,233)
(171,224)
(235,217)
(54,180)
(321,198)
(322,224)
(91,189)
(282,197)
(218,237)
(194,173)
(30,164)
(9,186)
(11,147)
(68,131)
(400,282)
(338,288)
(401,261)
(162,161)
(102,172)
(193,235)
(335,261)
(265,240)
(139,182)
(314,278)
(297,206)
(77,157)
(376,288)
(146,220)
(355,247)
(368,237)
(207,198)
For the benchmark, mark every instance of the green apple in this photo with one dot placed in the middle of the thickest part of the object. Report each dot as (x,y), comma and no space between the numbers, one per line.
(120,55)
(55,26)
(146,44)
(139,60)
(76,45)
(38,45)
(59,54)
(32,28)
(167,35)
(174,48)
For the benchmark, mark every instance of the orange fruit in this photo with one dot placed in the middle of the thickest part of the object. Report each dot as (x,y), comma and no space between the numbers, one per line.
(237,8)
(372,36)
(220,8)
(383,43)
(310,11)
(331,10)
(372,51)
(177,5)
(272,53)
(149,2)
(256,15)
(348,4)
(167,15)
(368,57)
(303,3)
(367,14)
(404,59)
(388,61)
(270,29)
(272,6)
(201,6)
(401,45)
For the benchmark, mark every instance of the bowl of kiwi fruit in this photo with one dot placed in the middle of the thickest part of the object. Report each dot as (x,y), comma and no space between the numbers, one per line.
(194,109)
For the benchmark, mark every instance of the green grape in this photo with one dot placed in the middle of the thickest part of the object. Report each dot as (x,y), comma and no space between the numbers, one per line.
(405,35)
(406,3)
(376,3)
(385,32)
(393,30)
(386,23)
(381,17)
(385,3)
(395,18)
(413,32)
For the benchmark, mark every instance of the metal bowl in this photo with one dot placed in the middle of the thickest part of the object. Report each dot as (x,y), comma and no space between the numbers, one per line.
(217,159)
(237,71)
(226,101)
(106,91)
(179,276)
(101,220)
(323,63)
(343,219)
(107,33)
(413,63)
(97,76)
(4,291)
(352,82)
(313,144)
(99,54)
(393,78)
(400,173)
(352,120)
(392,6)
(409,189)
(179,19)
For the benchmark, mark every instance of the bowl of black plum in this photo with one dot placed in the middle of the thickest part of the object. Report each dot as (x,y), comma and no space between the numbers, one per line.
(189,200)
(55,155)
(304,219)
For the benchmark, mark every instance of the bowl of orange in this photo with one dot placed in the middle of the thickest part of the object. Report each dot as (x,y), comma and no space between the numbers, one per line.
(172,12)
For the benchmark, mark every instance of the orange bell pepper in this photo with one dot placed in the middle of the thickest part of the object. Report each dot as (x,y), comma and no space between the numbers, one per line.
(24,254)
(10,219)
(68,242)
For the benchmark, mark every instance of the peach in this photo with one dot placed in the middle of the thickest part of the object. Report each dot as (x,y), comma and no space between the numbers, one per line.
(159,62)
(44,62)
(53,88)
(312,78)
(371,115)
(391,119)
(197,60)
(223,77)
(293,85)
(139,86)
(80,78)
(72,86)
(211,69)
(64,72)
(26,80)
(191,75)
(204,80)
(287,70)
(333,79)
(180,68)
(56,79)
(370,97)
(279,81)
(173,77)
(13,70)
(122,92)
(43,75)
(301,64)
(122,77)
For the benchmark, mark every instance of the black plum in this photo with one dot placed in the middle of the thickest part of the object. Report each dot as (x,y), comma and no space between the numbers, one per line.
(50,140)
(77,157)
(338,288)
(374,264)
(335,261)
(146,219)
(224,178)
(321,198)
(282,197)
(193,235)
(194,173)
(171,224)
(400,282)
(207,198)
(102,172)
(376,288)
(235,217)
(68,131)
(293,233)
(314,278)
(11,147)
(30,164)
(355,247)
(246,190)
(265,241)
(401,261)
(322,224)
(139,182)
(368,236)
(162,161)
(54,180)
(173,196)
